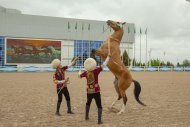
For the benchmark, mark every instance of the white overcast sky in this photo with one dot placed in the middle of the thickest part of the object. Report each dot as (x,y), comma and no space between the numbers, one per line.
(168,21)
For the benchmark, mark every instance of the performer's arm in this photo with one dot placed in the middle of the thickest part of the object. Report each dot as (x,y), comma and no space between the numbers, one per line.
(73,62)
(105,62)
(81,74)
(65,68)
(56,81)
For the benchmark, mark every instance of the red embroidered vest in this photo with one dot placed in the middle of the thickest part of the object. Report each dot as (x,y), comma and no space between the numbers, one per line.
(92,87)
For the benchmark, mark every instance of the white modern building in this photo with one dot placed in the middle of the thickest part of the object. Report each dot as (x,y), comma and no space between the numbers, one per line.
(77,36)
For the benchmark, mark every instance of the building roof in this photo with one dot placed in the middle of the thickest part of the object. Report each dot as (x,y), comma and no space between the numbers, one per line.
(15,24)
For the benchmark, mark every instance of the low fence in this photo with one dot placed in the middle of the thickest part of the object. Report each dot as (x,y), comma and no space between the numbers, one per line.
(160,68)
(35,68)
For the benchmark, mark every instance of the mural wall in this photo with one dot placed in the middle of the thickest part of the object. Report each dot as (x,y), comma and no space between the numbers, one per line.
(2,51)
(31,51)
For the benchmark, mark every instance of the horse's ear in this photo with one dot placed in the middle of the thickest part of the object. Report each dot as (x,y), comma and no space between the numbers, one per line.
(123,23)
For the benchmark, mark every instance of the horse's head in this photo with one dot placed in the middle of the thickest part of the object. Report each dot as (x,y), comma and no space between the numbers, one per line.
(115,25)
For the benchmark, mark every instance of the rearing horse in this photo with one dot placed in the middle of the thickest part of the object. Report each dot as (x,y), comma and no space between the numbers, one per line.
(123,78)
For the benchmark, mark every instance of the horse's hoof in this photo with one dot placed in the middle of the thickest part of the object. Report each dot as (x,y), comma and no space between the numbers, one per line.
(113,109)
(110,107)
(119,113)
(93,50)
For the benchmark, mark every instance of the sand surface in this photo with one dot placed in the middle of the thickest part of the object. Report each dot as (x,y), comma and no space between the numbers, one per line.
(29,100)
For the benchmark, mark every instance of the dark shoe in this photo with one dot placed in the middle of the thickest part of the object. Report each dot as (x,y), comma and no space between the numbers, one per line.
(100,116)
(58,107)
(70,112)
(69,107)
(100,122)
(58,114)
(87,112)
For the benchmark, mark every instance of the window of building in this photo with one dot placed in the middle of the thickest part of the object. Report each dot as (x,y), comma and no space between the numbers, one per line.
(82,48)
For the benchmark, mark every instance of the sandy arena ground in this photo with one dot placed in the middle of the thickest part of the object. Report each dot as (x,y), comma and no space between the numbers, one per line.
(29,100)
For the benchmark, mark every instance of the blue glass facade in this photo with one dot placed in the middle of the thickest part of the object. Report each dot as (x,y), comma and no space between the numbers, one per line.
(83,48)
(2,51)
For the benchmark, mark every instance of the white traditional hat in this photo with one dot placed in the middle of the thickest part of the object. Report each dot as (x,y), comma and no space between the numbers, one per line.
(90,64)
(55,63)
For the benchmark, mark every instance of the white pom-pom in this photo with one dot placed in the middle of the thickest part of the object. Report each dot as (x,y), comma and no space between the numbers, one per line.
(55,63)
(90,64)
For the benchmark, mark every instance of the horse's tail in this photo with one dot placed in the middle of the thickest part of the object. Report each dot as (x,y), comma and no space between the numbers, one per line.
(137,91)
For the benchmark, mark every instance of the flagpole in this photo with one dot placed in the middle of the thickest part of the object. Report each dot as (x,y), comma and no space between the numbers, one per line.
(128,47)
(128,54)
(68,41)
(134,48)
(89,40)
(150,57)
(132,57)
(140,46)
(82,45)
(68,49)
(122,51)
(146,48)
(132,63)
(76,41)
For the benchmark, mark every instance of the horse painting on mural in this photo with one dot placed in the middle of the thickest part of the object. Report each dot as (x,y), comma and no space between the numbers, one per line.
(123,79)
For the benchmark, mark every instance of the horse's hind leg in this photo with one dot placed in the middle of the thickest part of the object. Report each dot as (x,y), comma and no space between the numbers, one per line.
(124,102)
(117,90)
(123,85)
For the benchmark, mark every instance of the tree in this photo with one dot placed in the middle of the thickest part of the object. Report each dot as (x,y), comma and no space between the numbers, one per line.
(134,63)
(178,64)
(169,63)
(186,63)
(155,62)
(162,63)
(126,59)
(138,64)
(142,64)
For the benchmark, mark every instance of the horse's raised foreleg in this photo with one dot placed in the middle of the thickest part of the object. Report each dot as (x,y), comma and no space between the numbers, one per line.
(98,52)
(92,53)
